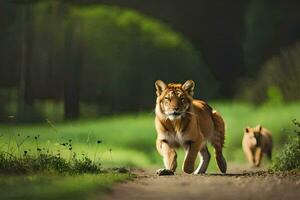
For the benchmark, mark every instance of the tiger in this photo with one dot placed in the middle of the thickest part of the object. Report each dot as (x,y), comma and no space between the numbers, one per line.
(182,121)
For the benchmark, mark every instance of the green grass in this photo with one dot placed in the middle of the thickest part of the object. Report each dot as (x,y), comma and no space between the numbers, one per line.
(277,118)
(126,140)
(41,186)
(129,140)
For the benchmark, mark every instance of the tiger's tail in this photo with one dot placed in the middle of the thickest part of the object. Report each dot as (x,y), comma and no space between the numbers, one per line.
(219,139)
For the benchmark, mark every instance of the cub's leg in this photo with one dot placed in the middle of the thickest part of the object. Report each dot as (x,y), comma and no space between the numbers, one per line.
(169,158)
(269,150)
(258,156)
(205,158)
(192,149)
(269,154)
(249,155)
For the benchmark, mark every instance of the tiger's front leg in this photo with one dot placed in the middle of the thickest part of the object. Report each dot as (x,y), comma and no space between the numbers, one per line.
(192,149)
(169,157)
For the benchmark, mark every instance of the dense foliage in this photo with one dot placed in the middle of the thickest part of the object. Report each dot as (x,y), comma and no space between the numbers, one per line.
(123,59)
(87,59)
(289,157)
(262,18)
(278,79)
(97,55)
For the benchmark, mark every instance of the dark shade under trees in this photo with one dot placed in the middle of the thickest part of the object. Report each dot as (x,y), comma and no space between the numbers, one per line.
(106,55)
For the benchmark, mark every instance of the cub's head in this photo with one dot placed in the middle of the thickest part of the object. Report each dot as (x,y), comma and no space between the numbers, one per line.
(253,134)
(174,99)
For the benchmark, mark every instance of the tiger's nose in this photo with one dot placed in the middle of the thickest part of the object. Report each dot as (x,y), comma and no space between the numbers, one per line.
(176,108)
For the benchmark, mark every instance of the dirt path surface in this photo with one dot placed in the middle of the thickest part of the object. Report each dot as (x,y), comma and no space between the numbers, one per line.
(237,184)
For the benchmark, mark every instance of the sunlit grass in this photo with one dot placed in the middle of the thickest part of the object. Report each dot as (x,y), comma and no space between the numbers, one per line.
(41,186)
(277,118)
(129,140)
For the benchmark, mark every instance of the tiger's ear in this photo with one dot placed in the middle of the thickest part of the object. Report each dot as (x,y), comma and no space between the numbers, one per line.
(189,86)
(160,87)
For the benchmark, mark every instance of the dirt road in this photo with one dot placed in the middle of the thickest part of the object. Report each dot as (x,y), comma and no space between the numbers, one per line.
(237,184)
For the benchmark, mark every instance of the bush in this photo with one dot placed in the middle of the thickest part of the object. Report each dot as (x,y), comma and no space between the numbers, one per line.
(278,79)
(262,18)
(123,48)
(118,52)
(289,157)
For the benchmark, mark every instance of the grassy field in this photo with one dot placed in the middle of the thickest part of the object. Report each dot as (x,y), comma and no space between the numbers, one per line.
(127,140)
(41,186)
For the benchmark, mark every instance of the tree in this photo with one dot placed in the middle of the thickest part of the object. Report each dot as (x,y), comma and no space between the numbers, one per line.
(25,100)
(73,65)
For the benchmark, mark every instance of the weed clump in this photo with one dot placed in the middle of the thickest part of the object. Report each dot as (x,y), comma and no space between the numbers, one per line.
(44,160)
(289,158)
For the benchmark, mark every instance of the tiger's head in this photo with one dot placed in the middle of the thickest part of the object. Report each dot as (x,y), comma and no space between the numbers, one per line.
(174,99)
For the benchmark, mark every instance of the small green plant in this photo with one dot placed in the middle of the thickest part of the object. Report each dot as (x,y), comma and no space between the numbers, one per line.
(289,158)
(44,160)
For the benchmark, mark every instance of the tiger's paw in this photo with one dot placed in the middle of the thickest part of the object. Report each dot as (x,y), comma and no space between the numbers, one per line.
(164,172)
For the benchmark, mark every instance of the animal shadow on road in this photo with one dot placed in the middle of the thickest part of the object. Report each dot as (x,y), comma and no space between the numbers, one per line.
(239,174)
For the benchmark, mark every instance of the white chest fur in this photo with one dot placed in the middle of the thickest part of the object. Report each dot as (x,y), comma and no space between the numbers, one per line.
(175,139)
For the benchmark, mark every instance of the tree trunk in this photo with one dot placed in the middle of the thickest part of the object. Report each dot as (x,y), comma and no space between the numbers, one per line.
(25,98)
(72,70)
